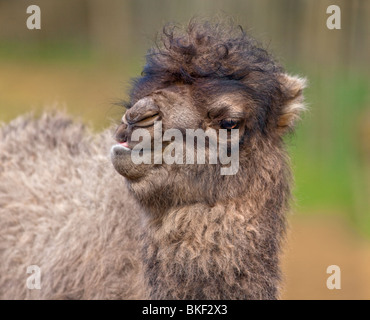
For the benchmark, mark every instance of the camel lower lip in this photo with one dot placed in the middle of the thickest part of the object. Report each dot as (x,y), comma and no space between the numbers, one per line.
(119,149)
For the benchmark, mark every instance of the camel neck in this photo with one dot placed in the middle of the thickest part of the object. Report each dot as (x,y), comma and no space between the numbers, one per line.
(195,248)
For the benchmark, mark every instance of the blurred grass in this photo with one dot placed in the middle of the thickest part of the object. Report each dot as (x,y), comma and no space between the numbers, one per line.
(328,168)
(58,51)
(326,149)
(35,77)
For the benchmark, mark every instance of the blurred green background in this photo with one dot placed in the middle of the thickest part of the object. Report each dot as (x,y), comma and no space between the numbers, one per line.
(87,50)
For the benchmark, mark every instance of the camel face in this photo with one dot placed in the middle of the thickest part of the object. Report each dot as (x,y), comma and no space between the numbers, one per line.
(206,134)
(170,113)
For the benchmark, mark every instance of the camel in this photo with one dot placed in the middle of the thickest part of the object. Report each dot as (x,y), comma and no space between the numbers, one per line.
(99,226)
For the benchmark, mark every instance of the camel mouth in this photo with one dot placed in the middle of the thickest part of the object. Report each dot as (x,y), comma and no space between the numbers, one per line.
(121,149)
(125,145)
(121,158)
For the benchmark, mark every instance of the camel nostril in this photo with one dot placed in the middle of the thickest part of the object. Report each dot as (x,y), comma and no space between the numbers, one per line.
(121,133)
(142,120)
(142,114)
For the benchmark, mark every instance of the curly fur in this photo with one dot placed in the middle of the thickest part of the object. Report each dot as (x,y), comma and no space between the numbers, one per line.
(178,232)
(58,213)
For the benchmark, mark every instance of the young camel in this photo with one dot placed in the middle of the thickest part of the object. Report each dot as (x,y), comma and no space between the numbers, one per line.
(162,231)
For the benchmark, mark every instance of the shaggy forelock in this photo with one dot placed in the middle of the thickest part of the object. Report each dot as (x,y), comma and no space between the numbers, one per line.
(203,50)
(206,50)
(211,52)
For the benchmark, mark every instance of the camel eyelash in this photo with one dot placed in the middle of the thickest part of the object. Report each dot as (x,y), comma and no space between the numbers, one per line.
(126,104)
(123,103)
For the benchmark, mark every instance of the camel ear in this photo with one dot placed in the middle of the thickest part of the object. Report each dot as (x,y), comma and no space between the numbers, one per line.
(292,101)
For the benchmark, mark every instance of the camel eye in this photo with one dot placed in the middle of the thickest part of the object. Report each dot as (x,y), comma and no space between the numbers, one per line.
(229,124)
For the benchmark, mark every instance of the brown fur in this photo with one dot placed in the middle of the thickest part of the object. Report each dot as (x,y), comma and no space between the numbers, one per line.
(182,231)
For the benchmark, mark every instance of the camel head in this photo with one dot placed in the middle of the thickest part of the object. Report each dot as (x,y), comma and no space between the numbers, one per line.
(207,77)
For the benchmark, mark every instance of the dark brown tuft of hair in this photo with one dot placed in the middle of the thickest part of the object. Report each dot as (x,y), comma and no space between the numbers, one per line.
(213,52)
